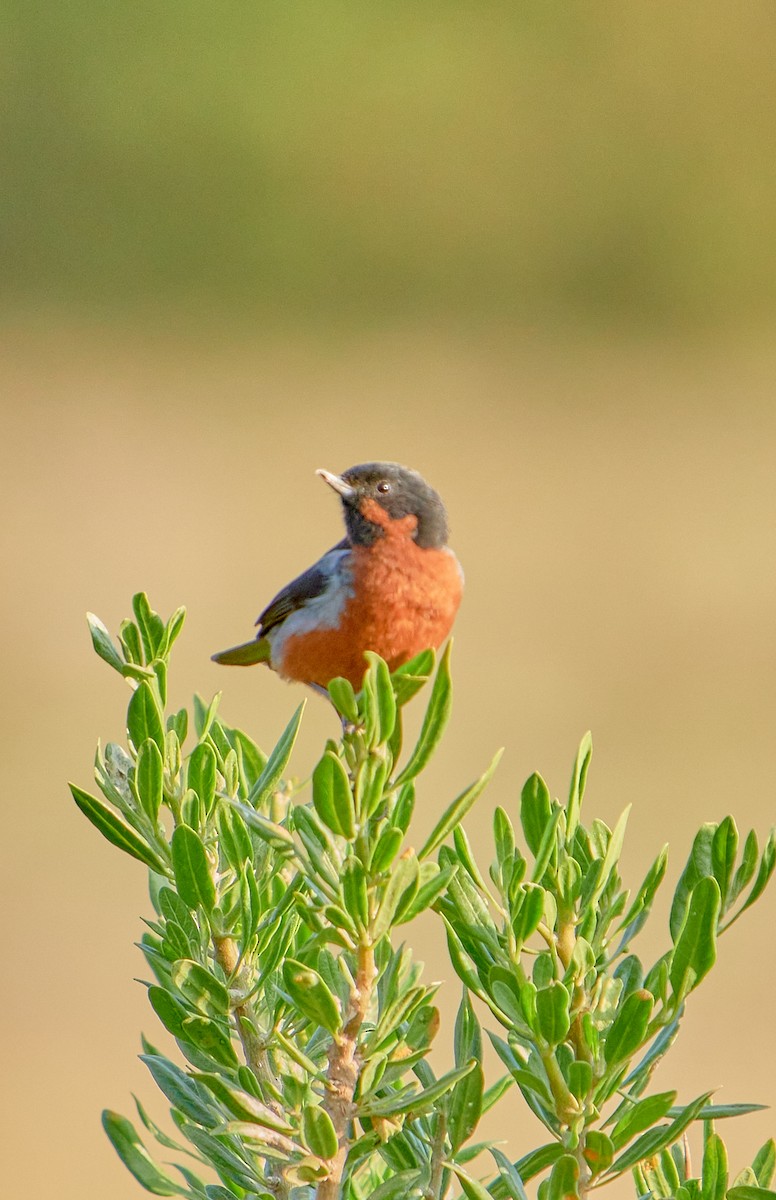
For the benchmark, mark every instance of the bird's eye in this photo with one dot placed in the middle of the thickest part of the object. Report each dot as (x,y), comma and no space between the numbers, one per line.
(384,487)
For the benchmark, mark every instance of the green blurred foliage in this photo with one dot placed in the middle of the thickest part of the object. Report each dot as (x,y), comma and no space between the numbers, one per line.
(590,160)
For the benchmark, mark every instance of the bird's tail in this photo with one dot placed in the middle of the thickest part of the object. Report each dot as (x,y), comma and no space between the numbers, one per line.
(246,655)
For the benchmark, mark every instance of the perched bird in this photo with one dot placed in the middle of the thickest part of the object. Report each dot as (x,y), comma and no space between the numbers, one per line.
(392,585)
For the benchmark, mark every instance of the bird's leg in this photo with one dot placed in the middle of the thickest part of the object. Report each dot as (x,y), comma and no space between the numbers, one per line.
(348,728)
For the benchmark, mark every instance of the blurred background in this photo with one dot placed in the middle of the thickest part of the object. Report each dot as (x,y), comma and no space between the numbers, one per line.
(529,250)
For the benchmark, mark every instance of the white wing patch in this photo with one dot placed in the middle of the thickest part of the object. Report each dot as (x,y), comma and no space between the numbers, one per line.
(319,612)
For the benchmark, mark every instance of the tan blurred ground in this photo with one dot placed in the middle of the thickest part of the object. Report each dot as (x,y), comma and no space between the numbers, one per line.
(614,506)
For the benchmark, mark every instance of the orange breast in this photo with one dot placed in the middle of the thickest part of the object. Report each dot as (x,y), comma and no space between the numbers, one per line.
(404,600)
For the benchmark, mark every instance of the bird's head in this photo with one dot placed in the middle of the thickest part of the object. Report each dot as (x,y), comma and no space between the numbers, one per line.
(378,497)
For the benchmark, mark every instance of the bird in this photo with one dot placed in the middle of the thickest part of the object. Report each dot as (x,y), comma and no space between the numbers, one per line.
(392,585)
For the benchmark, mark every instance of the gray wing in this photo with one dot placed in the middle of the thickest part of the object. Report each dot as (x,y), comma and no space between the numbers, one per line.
(311,583)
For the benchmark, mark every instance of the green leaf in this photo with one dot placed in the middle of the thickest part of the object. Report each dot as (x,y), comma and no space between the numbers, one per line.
(577,789)
(242,1104)
(598,1152)
(719,1112)
(698,866)
(319,1133)
(564,1179)
(467,1033)
(354,891)
(201,988)
(275,835)
(612,855)
(103,645)
(409,678)
(639,910)
(629,1028)
(159,668)
(409,1100)
(527,911)
(547,847)
(465,1107)
(517,1003)
(765,870)
(724,848)
(461,854)
(503,837)
(172,749)
(149,778)
(277,762)
(333,797)
(116,830)
(525,1079)
(750,1193)
(535,811)
(456,811)
(377,684)
(471,1188)
(205,716)
(144,718)
(252,760)
(639,1076)
(427,894)
(434,721)
(388,846)
(745,1178)
(192,869)
(170,1011)
(150,625)
(181,1090)
(211,1039)
(370,785)
(405,806)
(399,892)
(764,1163)
(344,699)
(233,837)
(153,1128)
(174,909)
(201,775)
(135,1157)
(172,631)
(230,1166)
(656,1139)
(179,724)
(747,867)
(579,1077)
(250,903)
(696,947)
(552,1013)
(669,1164)
(129,636)
(311,996)
(538,1160)
(192,812)
(401,1184)
(714,1176)
(642,1115)
(509,1174)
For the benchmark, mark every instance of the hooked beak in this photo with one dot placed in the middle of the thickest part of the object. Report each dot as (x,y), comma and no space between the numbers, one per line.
(337,483)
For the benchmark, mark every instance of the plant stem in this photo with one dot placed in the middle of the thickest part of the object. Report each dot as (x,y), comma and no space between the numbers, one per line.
(343,1070)
(227,957)
(433,1191)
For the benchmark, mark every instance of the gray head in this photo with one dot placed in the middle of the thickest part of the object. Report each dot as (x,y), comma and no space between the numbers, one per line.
(375,494)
